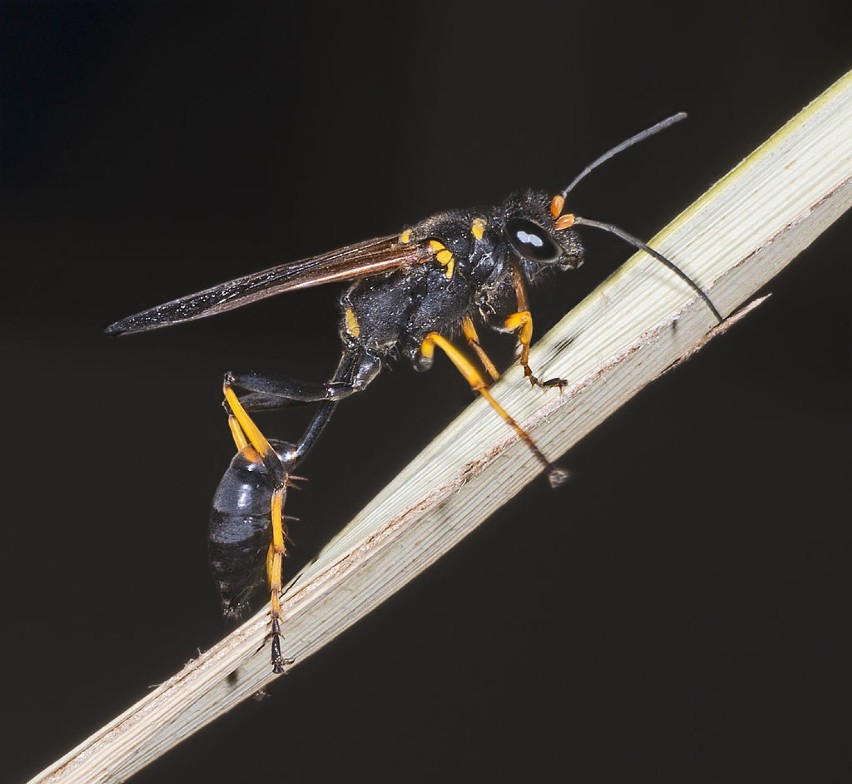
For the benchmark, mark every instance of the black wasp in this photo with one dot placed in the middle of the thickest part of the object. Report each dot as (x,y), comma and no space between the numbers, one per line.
(409,294)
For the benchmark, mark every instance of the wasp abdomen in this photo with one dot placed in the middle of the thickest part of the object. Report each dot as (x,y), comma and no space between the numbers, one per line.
(240,525)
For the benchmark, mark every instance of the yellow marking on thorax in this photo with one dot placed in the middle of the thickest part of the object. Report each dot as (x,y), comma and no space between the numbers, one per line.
(444,256)
(477,227)
(405,237)
(352,325)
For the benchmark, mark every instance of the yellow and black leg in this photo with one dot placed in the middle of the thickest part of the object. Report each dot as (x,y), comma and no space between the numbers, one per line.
(354,372)
(521,322)
(266,393)
(472,338)
(556,476)
(245,432)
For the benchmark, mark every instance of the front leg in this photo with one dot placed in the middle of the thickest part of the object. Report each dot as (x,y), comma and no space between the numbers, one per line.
(521,322)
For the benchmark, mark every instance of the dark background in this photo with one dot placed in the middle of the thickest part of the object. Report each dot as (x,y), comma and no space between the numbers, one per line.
(680,611)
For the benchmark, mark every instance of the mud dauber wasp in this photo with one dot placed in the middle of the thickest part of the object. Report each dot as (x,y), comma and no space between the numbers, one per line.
(409,293)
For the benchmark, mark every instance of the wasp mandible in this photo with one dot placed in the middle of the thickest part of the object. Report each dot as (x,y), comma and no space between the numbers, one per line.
(409,293)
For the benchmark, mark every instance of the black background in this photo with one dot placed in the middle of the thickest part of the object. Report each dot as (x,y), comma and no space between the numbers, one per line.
(680,611)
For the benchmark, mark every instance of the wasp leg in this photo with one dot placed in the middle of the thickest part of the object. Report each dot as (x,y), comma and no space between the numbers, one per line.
(244,430)
(237,433)
(271,393)
(265,401)
(556,476)
(521,321)
(355,371)
(472,338)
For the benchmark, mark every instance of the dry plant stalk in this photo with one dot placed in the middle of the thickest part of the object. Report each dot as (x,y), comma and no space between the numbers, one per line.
(614,343)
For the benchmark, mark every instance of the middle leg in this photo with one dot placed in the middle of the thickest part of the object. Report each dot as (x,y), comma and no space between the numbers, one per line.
(556,476)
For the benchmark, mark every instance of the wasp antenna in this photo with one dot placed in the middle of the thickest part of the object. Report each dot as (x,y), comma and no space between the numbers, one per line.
(639,137)
(637,243)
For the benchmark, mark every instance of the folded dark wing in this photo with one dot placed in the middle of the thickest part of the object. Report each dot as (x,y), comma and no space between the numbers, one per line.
(371,257)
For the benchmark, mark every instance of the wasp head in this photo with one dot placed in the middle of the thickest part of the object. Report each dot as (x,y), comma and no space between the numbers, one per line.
(539,234)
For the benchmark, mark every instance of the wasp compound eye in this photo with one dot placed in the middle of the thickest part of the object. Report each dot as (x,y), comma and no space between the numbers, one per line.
(531,241)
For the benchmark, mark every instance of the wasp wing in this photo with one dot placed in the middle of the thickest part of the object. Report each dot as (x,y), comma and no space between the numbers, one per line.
(362,259)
